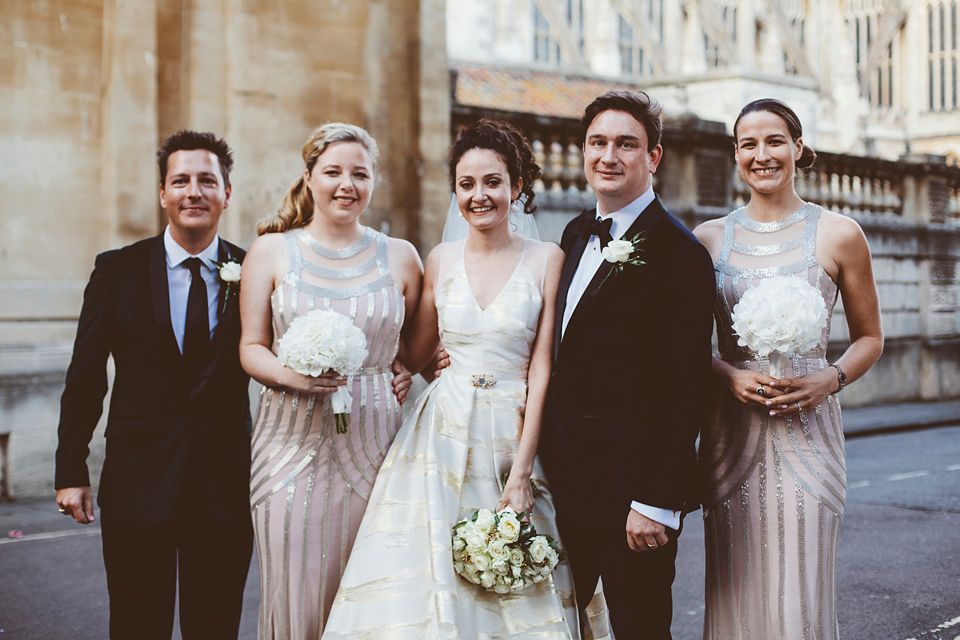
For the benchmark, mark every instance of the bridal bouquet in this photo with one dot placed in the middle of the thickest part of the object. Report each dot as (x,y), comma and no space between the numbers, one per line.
(782,316)
(500,553)
(320,341)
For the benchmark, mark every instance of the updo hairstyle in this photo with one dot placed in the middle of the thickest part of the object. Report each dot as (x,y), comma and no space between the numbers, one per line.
(296,209)
(507,142)
(778,108)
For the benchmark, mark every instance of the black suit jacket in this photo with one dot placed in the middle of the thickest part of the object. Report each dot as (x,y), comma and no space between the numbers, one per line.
(629,388)
(168,430)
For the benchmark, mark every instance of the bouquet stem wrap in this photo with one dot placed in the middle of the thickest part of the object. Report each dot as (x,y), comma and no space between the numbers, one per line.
(340,400)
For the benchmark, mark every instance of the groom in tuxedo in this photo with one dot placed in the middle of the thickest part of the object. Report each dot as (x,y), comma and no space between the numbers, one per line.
(173,495)
(627,395)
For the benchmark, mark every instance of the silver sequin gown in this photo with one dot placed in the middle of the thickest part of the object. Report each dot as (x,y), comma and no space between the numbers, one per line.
(310,485)
(445,464)
(775,486)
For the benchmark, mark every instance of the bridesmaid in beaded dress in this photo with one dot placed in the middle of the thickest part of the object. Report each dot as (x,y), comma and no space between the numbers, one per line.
(772,458)
(309,485)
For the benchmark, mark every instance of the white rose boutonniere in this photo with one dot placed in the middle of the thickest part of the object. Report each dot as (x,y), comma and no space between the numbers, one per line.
(229,272)
(621,253)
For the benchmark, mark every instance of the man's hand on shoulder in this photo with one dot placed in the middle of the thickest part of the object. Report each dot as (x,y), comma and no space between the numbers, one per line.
(76,502)
(644,534)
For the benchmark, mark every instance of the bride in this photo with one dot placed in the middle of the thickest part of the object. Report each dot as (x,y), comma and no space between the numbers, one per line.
(491,299)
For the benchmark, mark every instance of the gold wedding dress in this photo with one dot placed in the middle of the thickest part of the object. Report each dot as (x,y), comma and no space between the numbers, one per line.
(445,464)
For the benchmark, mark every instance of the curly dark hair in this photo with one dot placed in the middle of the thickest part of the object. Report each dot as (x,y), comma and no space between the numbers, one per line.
(507,142)
(187,140)
(781,109)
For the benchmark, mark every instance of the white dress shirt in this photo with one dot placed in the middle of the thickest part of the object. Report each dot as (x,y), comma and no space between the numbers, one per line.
(179,279)
(590,262)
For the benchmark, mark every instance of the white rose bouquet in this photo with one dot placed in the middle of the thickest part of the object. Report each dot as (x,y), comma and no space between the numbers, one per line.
(500,553)
(782,316)
(320,341)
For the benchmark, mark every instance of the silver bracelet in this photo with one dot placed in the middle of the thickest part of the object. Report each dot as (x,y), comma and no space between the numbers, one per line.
(841,377)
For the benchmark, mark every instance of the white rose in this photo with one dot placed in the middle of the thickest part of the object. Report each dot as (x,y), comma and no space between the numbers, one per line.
(230,272)
(538,549)
(552,560)
(516,557)
(488,579)
(500,567)
(509,526)
(502,588)
(484,521)
(498,551)
(459,544)
(476,542)
(617,251)
(481,561)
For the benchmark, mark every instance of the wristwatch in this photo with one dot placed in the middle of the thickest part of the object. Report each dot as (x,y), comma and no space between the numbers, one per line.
(841,377)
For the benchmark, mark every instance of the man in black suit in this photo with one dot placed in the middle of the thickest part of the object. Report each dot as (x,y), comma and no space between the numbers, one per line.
(174,488)
(628,392)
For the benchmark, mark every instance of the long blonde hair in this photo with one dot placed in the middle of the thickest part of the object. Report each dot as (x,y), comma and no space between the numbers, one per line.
(296,209)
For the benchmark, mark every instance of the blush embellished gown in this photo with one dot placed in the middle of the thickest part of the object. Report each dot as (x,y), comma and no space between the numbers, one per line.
(774,487)
(309,485)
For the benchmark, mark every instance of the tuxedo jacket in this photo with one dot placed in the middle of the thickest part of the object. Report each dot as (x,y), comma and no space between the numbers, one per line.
(629,387)
(168,430)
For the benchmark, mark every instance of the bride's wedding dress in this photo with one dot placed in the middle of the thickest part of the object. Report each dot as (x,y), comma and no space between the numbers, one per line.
(446,462)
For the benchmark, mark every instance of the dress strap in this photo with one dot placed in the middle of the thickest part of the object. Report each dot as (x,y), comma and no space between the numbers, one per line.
(293,253)
(728,227)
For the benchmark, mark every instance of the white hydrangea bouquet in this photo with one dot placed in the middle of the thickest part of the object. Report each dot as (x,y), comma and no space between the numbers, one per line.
(500,553)
(320,341)
(780,317)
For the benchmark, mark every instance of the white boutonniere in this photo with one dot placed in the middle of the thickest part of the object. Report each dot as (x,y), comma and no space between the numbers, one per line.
(621,253)
(229,273)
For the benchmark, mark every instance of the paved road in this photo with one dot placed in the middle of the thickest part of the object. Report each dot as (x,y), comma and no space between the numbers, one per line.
(899,575)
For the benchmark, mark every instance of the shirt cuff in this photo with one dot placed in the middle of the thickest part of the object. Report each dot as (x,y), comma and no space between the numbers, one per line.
(664,516)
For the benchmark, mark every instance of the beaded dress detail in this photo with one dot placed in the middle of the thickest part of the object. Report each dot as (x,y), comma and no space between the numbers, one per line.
(309,485)
(774,487)
(461,435)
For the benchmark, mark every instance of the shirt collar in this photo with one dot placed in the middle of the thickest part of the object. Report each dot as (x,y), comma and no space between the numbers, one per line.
(624,218)
(177,254)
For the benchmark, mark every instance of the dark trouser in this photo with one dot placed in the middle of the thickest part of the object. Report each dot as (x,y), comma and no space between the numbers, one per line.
(636,585)
(143,561)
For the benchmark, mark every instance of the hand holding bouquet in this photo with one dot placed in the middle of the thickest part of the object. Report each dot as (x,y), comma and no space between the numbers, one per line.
(500,553)
(321,341)
(782,316)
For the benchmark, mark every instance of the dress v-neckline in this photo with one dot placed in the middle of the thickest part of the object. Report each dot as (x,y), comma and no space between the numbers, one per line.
(466,274)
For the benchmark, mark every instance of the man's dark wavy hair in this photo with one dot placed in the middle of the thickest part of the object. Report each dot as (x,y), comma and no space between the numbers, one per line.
(638,104)
(187,140)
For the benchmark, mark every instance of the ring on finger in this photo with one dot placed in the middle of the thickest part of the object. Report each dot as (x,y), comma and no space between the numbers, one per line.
(652,546)
(761,391)
(799,408)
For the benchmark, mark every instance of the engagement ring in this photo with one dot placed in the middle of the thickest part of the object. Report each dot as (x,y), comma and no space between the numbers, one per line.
(761,391)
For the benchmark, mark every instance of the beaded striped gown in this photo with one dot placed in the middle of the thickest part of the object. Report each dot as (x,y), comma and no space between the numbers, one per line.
(774,486)
(310,485)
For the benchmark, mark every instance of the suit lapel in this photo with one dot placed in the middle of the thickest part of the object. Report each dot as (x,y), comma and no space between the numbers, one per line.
(566,276)
(643,224)
(225,319)
(160,294)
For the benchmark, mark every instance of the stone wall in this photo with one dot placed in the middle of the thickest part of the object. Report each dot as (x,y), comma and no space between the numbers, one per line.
(88,90)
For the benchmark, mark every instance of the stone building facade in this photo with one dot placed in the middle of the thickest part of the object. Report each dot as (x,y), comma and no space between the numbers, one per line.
(867,77)
(88,90)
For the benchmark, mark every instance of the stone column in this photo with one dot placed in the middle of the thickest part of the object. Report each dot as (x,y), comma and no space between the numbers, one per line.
(128,115)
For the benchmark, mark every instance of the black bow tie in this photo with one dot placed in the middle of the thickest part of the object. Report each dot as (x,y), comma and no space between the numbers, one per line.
(597,227)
